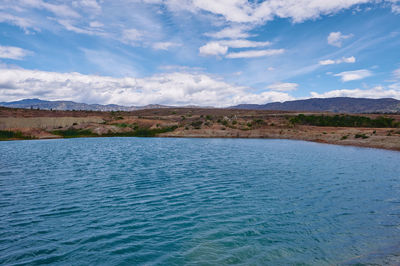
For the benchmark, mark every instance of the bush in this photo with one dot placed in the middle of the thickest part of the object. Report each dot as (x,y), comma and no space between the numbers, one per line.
(197,124)
(363,136)
(344,121)
(6,135)
(139,132)
(258,121)
(74,133)
(123,125)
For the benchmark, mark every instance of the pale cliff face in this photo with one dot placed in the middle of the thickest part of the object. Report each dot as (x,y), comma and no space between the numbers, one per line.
(7,123)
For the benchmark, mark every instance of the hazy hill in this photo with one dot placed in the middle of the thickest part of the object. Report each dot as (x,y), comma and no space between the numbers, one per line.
(69,105)
(337,105)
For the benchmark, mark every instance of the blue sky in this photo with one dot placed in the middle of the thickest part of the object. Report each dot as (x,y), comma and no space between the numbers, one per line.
(198,52)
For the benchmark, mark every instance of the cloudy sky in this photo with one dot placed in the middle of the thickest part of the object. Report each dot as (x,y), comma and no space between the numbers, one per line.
(200,52)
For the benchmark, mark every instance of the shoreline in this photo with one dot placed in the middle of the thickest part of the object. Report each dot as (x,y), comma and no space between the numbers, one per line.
(220,137)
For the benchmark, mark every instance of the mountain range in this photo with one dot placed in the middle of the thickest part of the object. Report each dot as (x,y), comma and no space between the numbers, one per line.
(70,105)
(337,105)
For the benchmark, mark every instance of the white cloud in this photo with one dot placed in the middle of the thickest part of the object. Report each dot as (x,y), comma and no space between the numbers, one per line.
(96,24)
(90,5)
(327,62)
(68,25)
(255,53)
(376,93)
(170,88)
(354,75)
(213,48)
(165,45)
(395,86)
(131,36)
(221,47)
(237,32)
(396,9)
(396,73)
(243,43)
(23,23)
(348,60)
(283,86)
(60,10)
(11,52)
(243,11)
(336,38)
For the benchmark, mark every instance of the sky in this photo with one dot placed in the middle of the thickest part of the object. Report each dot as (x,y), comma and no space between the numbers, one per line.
(198,52)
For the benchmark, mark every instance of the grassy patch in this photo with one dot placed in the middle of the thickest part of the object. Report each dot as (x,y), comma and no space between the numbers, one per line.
(8,135)
(140,132)
(74,133)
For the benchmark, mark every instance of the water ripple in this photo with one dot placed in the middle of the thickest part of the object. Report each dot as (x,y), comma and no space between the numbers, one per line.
(132,201)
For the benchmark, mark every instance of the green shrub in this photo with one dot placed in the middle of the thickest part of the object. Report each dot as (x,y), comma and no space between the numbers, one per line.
(258,121)
(197,124)
(344,121)
(74,133)
(6,135)
(363,136)
(123,125)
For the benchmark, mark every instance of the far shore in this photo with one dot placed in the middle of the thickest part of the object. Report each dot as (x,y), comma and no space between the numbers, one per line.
(363,130)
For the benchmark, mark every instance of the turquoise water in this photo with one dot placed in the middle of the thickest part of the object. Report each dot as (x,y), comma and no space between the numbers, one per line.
(155,201)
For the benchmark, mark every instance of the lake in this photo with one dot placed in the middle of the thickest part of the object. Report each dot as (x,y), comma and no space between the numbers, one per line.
(166,201)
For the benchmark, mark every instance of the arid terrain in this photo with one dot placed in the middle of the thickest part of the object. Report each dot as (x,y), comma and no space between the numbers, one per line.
(201,123)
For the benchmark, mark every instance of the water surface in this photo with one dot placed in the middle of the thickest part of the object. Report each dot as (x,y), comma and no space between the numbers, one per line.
(133,201)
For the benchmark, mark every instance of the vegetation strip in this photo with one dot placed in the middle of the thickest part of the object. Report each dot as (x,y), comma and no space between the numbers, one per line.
(344,121)
(9,135)
(139,132)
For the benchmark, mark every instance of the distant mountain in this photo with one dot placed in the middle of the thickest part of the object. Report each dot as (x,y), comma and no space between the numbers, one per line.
(337,105)
(69,105)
